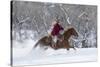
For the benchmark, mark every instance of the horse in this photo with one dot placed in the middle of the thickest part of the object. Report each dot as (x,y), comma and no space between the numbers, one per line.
(48,41)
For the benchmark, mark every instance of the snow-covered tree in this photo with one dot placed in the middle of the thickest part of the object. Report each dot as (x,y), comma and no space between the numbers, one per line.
(32,20)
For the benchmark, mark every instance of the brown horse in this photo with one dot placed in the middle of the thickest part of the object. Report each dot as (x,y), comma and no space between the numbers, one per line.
(48,41)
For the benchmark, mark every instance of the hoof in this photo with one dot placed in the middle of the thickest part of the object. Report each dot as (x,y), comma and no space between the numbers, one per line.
(67,48)
(45,48)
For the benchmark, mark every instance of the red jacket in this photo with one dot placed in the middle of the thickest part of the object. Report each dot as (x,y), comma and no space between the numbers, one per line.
(56,29)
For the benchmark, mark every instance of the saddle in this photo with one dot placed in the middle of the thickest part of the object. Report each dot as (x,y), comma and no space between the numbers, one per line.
(60,37)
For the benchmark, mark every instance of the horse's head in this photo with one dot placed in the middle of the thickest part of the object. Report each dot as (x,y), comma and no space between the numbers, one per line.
(73,32)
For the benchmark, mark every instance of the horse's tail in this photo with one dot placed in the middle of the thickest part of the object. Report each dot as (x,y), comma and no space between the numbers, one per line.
(36,45)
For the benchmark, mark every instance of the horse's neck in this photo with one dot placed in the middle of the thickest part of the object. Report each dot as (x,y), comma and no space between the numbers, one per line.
(67,35)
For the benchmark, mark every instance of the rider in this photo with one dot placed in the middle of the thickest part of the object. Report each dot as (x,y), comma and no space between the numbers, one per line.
(56,30)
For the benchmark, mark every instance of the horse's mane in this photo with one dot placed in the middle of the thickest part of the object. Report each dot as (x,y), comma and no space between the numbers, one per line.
(69,28)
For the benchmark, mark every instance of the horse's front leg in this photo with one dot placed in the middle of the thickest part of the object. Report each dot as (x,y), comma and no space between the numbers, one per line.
(74,48)
(65,45)
(68,49)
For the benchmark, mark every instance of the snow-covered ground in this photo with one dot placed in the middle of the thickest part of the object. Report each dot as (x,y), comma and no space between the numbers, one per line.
(23,54)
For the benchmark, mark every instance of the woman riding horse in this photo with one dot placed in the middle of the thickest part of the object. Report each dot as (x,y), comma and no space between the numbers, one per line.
(47,40)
